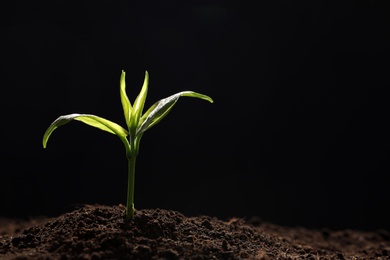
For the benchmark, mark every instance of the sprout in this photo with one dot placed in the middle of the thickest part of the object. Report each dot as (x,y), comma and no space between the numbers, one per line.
(136,121)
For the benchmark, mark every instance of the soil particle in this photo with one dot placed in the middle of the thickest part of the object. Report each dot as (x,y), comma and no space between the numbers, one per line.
(101,232)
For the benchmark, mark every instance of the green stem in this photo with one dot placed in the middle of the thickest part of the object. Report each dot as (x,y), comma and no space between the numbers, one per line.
(130,188)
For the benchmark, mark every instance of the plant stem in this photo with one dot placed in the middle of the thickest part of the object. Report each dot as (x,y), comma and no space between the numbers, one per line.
(130,188)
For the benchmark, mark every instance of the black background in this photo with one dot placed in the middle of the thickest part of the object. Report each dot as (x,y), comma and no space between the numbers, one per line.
(298,133)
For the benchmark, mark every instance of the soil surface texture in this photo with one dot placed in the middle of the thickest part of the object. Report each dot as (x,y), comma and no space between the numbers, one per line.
(100,232)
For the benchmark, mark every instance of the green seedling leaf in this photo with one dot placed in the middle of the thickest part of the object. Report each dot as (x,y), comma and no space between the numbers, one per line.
(139,102)
(91,120)
(127,108)
(136,123)
(161,108)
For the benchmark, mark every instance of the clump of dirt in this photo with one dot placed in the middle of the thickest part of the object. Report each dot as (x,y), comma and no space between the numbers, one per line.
(100,232)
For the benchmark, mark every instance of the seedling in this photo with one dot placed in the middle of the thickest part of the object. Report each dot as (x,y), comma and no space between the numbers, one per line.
(137,123)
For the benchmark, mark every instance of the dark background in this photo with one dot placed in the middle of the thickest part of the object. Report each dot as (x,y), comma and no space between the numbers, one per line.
(298,133)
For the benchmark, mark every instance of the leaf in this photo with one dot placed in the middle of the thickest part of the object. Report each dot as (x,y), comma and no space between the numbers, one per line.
(127,109)
(140,101)
(162,107)
(91,120)
(196,95)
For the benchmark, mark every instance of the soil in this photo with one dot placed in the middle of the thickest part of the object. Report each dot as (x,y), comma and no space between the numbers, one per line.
(100,232)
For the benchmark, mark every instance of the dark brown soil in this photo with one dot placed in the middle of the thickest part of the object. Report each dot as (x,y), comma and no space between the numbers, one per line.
(100,232)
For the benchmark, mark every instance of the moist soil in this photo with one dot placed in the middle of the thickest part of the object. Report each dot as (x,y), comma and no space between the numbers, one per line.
(101,232)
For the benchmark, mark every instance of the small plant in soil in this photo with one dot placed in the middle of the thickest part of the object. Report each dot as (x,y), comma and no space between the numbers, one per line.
(137,123)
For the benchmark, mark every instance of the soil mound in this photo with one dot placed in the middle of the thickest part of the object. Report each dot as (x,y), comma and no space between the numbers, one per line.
(100,232)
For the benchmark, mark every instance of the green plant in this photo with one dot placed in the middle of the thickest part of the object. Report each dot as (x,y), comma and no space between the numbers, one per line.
(137,123)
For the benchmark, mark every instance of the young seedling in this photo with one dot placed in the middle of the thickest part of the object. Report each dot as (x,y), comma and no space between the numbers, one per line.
(137,123)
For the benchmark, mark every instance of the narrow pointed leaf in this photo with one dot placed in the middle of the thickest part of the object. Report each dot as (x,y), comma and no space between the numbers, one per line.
(91,120)
(103,124)
(162,107)
(155,114)
(127,109)
(196,95)
(140,101)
